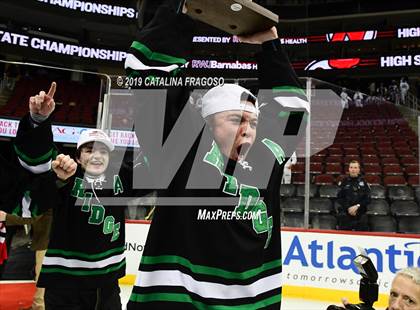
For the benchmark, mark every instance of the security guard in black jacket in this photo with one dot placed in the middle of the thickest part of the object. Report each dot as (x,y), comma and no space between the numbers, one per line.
(353,198)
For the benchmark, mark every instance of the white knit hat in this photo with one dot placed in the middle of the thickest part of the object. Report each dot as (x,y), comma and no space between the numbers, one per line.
(95,135)
(228,97)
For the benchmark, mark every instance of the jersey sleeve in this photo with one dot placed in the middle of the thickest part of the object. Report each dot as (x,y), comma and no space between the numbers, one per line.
(34,146)
(161,49)
(283,103)
(162,46)
(34,151)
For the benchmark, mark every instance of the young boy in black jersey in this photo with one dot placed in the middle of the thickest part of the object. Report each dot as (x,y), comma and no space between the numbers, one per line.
(85,256)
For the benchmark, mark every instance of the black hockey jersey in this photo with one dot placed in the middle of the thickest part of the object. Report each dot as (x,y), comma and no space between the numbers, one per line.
(86,248)
(216,247)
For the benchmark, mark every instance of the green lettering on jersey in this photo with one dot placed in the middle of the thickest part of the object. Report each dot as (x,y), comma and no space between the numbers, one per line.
(108,225)
(250,201)
(231,185)
(118,186)
(78,190)
(275,149)
(270,231)
(248,198)
(86,202)
(97,215)
(259,222)
(116,233)
(215,158)
(111,227)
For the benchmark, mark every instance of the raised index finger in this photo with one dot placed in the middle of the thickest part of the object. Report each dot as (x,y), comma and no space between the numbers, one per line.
(53,87)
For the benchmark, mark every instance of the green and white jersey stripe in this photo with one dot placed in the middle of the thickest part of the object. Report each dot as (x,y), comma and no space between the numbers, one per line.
(208,289)
(207,270)
(174,278)
(134,63)
(291,97)
(79,263)
(185,298)
(155,56)
(141,58)
(38,164)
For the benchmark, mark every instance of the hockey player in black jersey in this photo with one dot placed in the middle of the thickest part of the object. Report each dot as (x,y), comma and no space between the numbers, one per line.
(216,244)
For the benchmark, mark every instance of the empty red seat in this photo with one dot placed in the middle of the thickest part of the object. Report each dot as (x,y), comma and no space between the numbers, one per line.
(324,179)
(403,151)
(298,168)
(390,161)
(368,151)
(351,152)
(407,161)
(316,168)
(298,178)
(370,160)
(412,170)
(373,179)
(333,168)
(392,170)
(372,169)
(335,151)
(386,152)
(413,180)
(394,180)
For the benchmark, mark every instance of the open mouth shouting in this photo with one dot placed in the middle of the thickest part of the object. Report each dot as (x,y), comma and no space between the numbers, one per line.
(241,151)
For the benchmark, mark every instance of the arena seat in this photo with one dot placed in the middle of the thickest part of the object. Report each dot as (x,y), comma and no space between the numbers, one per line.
(293,220)
(413,180)
(320,205)
(324,179)
(323,221)
(386,152)
(400,193)
(412,170)
(394,180)
(316,168)
(377,192)
(300,190)
(378,207)
(390,161)
(392,170)
(409,225)
(298,178)
(408,161)
(373,179)
(405,208)
(372,170)
(351,152)
(368,152)
(293,205)
(287,190)
(335,151)
(403,151)
(298,168)
(382,223)
(316,159)
(370,160)
(328,191)
(333,168)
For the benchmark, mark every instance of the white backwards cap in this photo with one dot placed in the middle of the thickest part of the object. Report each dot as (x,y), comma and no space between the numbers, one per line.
(228,97)
(95,135)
